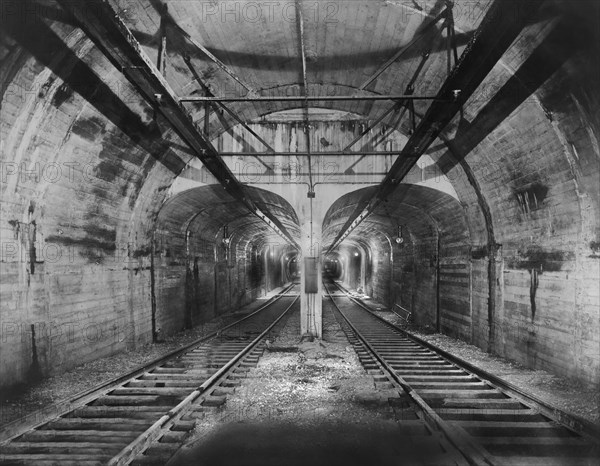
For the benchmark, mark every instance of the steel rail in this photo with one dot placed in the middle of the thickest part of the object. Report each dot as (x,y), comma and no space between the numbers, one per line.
(18,427)
(577,425)
(145,439)
(473,452)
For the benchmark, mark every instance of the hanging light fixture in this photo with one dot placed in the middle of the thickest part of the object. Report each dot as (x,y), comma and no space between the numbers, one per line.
(399,239)
(226,238)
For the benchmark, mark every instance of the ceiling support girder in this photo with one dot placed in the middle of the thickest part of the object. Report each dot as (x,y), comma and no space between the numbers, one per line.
(310,98)
(209,93)
(107,30)
(496,33)
(401,105)
(342,153)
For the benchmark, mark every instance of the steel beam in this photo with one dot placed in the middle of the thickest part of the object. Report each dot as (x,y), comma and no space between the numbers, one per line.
(110,34)
(231,113)
(496,33)
(306,154)
(404,104)
(310,98)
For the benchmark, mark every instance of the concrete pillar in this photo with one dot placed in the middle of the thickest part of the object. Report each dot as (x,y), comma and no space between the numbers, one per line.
(310,215)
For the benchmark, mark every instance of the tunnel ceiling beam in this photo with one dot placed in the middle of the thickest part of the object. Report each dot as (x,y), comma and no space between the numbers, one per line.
(311,98)
(348,153)
(497,31)
(234,115)
(399,107)
(110,34)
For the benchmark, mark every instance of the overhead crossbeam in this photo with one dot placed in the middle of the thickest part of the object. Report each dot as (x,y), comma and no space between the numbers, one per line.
(309,98)
(403,104)
(348,153)
(110,34)
(208,92)
(496,33)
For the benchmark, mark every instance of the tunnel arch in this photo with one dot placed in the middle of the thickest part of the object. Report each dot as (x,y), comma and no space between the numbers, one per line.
(436,224)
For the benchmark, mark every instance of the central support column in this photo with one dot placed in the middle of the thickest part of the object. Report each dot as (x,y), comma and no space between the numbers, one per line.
(311,214)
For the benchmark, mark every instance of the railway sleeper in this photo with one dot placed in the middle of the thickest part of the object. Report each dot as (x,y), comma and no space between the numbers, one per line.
(130,412)
(420,371)
(62,448)
(53,459)
(222,391)
(450,385)
(483,393)
(109,436)
(183,376)
(173,437)
(513,429)
(476,403)
(146,391)
(112,424)
(533,447)
(216,401)
(506,415)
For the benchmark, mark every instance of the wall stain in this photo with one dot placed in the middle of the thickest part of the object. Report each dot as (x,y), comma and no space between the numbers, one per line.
(535,282)
(531,198)
(86,242)
(88,128)
(595,247)
(536,258)
(62,94)
(142,252)
(106,234)
(480,252)
(35,371)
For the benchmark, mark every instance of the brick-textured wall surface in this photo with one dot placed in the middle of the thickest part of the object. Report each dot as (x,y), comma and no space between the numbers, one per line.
(84,172)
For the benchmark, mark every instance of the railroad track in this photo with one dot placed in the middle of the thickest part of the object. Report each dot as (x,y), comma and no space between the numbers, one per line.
(488,421)
(143,417)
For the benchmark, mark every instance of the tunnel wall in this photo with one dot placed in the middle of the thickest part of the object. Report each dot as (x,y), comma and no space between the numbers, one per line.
(75,275)
(196,281)
(84,171)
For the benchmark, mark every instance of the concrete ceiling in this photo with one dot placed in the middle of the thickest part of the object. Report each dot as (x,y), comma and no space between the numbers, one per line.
(344,42)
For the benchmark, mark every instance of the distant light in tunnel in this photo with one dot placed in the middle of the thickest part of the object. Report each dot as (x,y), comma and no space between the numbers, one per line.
(356,254)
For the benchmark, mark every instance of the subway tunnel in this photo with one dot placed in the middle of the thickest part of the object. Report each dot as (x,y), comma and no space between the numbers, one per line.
(164,164)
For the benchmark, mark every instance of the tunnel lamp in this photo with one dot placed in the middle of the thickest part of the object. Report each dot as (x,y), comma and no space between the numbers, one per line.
(226,238)
(399,239)
(356,254)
